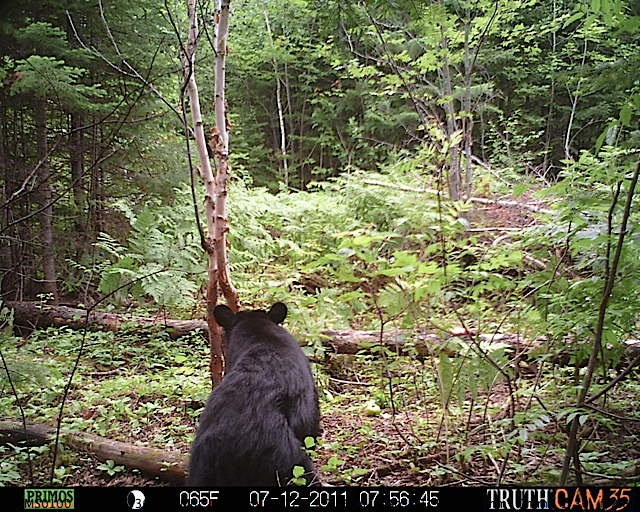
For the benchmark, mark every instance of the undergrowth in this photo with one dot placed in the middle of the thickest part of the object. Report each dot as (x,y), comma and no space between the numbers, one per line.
(147,388)
(491,332)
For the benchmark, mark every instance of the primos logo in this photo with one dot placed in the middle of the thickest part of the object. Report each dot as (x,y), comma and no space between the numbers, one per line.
(49,498)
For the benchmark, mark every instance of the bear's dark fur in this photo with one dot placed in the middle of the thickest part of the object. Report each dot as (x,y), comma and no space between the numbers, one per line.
(252,430)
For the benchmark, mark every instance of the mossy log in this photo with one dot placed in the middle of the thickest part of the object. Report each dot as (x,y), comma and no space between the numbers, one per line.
(168,466)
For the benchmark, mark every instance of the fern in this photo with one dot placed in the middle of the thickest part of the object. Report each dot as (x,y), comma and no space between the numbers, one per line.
(161,260)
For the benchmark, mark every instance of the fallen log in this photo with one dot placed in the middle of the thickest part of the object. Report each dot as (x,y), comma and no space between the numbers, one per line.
(419,343)
(168,466)
(30,316)
(34,315)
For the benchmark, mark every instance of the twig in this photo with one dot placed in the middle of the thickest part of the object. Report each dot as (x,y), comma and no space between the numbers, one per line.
(614,381)
(133,72)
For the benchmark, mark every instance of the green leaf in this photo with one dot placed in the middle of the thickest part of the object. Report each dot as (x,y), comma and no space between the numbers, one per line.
(625,114)
(573,18)
(519,189)
(393,272)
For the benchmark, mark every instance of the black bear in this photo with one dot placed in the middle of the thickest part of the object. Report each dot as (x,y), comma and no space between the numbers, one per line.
(253,427)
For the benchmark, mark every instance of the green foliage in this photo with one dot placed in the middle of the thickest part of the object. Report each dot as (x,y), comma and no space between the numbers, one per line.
(24,370)
(45,73)
(361,98)
(298,476)
(48,77)
(43,38)
(162,257)
(287,228)
(370,124)
(393,263)
(592,193)
(110,467)
(475,368)
(8,470)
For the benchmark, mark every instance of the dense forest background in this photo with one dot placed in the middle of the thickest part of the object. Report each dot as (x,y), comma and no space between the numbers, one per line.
(89,129)
(452,167)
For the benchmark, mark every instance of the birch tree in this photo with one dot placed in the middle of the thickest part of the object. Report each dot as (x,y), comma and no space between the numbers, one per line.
(283,139)
(216,187)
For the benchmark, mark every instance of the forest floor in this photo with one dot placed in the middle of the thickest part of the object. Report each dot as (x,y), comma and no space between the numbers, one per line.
(417,446)
(481,440)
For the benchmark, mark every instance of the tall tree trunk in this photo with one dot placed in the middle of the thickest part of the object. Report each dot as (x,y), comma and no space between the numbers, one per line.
(467,120)
(7,274)
(215,187)
(46,215)
(283,139)
(221,151)
(95,202)
(454,177)
(552,95)
(76,161)
(215,335)
(574,104)
(12,239)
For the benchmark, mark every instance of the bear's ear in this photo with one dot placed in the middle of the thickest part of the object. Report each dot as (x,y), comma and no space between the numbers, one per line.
(224,316)
(278,312)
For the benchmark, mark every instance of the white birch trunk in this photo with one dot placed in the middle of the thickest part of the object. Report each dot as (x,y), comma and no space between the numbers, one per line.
(215,187)
(221,150)
(283,139)
(198,128)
